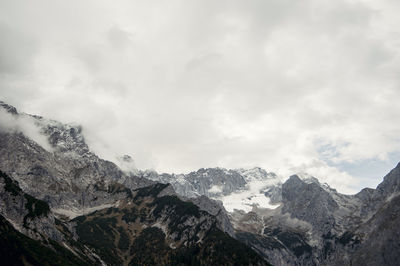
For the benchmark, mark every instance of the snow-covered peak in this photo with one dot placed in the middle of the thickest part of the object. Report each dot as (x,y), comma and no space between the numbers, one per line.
(309,179)
(255,173)
(259,174)
(240,189)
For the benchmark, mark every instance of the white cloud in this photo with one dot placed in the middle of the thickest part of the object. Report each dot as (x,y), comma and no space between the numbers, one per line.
(181,85)
(23,124)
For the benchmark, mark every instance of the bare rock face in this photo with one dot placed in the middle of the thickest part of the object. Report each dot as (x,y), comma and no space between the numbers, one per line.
(380,233)
(274,193)
(390,184)
(217,209)
(204,179)
(381,237)
(64,182)
(200,182)
(26,213)
(310,203)
(10,109)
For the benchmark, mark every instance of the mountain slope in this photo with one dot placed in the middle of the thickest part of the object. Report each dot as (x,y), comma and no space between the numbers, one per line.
(310,222)
(30,232)
(152,228)
(18,249)
(57,193)
(68,203)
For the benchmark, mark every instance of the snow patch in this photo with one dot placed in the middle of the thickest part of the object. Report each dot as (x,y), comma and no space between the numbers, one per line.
(162,227)
(70,249)
(181,179)
(71,214)
(252,196)
(215,189)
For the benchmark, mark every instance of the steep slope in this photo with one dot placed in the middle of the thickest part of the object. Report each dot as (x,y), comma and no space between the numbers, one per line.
(30,232)
(30,215)
(309,203)
(381,237)
(18,249)
(155,229)
(328,228)
(150,226)
(381,232)
(67,175)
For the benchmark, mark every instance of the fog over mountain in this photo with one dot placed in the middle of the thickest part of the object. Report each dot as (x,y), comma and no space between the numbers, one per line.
(61,204)
(290,86)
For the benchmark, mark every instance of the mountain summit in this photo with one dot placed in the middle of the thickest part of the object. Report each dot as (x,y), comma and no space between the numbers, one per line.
(62,204)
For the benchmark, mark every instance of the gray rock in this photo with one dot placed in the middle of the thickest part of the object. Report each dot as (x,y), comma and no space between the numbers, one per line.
(216,209)
(10,109)
(310,203)
(314,225)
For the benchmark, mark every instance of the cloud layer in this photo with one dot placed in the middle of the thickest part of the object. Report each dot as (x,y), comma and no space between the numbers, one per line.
(287,85)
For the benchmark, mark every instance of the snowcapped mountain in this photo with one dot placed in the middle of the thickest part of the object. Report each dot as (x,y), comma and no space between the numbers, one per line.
(239,189)
(299,221)
(59,196)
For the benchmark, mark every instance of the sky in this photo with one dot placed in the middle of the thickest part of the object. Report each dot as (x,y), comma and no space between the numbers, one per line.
(291,86)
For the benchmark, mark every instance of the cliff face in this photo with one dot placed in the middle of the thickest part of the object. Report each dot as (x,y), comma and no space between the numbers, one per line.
(30,215)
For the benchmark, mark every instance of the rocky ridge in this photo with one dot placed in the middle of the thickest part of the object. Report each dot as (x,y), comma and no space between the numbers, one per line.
(63,197)
(309,223)
(296,222)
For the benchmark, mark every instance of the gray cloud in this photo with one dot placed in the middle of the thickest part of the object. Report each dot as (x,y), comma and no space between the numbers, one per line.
(186,84)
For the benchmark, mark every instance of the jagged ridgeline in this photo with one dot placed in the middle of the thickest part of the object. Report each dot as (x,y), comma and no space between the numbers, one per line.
(77,208)
(160,230)
(146,228)
(60,204)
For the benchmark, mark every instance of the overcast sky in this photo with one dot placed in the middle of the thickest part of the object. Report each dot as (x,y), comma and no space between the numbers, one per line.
(291,86)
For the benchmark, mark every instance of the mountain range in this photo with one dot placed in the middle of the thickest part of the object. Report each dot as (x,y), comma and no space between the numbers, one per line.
(60,204)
